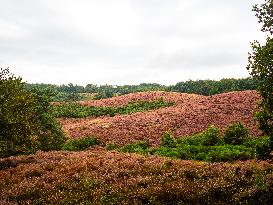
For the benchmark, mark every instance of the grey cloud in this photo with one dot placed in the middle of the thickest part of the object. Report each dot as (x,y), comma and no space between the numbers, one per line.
(163,37)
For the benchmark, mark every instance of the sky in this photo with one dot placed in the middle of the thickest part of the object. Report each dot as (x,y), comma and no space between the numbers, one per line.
(120,42)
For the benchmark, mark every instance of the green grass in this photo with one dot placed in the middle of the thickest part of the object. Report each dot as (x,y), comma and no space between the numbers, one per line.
(141,147)
(75,110)
(80,144)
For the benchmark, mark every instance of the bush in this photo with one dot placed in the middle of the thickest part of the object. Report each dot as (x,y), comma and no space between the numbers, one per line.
(263,149)
(211,136)
(73,110)
(224,153)
(206,146)
(196,139)
(80,144)
(192,152)
(141,147)
(235,134)
(206,153)
(167,140)
(165,152)
(111,146)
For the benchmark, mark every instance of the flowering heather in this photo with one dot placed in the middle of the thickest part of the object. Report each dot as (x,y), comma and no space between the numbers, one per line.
(149,96)
(190,114)
(100,177)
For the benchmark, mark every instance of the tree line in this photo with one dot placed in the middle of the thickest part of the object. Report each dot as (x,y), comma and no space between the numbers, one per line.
(202,87)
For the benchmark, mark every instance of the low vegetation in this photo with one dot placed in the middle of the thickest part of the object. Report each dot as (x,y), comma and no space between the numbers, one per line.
(75,110)
(208,146)
(100,177)
(80,144)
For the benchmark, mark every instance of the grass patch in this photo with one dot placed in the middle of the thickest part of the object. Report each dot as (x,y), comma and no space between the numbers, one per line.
(141,147)
(75,110)
(111,146)
(80,144)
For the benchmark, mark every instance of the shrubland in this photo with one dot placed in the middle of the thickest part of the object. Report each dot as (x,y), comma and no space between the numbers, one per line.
(217,167)
(100,177)
(75,110)
(208,146)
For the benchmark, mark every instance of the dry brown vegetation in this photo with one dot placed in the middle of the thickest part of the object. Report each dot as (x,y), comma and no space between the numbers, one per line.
(190,114)
(100,177)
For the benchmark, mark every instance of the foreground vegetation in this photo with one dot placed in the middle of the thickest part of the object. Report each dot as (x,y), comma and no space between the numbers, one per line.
(75,110)
(99,177)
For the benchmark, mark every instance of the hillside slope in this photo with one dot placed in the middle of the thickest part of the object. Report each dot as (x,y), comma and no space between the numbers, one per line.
(190,114)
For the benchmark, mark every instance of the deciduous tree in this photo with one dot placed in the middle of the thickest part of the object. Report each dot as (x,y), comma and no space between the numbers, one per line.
(260,66)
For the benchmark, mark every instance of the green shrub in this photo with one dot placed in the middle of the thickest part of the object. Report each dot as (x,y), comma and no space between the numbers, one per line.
(211,136)
(80,144)
(167,140)
(192,152)
(75,110)
(205,146)
(196,139)
(165,152)
(229,153)
(111,146)
(141,147)
(263,148)
(235,134)
(206,153)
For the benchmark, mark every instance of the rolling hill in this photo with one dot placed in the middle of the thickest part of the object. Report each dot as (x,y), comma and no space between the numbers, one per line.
(190,114)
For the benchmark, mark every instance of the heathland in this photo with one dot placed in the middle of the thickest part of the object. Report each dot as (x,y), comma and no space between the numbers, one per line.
(152,147)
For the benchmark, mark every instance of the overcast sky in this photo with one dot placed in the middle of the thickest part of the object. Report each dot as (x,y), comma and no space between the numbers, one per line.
(126,41)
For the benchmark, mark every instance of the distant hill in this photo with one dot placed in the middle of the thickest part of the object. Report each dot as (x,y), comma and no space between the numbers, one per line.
(191,114)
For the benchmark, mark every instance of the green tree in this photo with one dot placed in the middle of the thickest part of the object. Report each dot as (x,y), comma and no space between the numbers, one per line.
(16,115)
(47,130)
(260,66)
(25,120)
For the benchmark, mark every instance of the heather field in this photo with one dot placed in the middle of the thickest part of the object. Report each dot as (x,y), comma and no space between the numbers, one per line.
(99,177)
(136,103)
(190,114)
(109,168)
